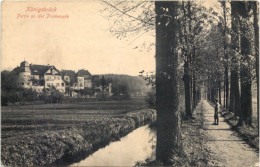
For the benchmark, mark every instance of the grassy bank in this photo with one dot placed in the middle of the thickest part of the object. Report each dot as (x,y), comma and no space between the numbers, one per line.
(43,137)
(193,150)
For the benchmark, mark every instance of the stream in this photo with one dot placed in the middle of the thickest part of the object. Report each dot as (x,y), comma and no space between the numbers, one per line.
(136,146)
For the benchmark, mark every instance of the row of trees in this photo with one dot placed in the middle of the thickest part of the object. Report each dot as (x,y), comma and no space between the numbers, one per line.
(244,58)
(235,63)
(196,48)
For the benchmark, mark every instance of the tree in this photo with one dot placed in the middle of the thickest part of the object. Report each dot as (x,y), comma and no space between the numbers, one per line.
(10,92)
(226,57)
(167,94)
(245,63)
(187,54)
(234,83)
(256,29)
(103,83)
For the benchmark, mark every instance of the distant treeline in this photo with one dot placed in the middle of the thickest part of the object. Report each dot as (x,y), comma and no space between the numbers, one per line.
(126,85)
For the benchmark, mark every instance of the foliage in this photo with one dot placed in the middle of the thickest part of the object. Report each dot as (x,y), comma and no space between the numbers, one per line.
(86,91)
(124,84)
(51,97)
(127,20)
(148,77)
(151,98)
(14,93)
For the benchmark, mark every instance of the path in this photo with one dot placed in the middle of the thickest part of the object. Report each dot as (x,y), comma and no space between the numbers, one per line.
(224,146)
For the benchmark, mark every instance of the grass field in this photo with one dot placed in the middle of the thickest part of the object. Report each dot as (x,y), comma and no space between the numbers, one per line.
(42,134)
(23,120)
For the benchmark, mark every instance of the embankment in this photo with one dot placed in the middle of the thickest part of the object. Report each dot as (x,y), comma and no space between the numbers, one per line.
(71,144)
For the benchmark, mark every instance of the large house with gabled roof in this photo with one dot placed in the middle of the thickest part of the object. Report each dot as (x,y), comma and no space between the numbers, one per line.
(48,77)
(39,77)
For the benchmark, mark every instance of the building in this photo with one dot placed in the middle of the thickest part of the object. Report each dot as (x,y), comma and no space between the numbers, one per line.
(39,77)
(69,77)
(84,79)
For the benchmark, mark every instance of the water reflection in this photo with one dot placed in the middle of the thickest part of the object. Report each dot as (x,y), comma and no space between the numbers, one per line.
(136,146)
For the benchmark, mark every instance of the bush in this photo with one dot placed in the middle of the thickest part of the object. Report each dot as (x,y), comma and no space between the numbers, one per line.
(53,97)
(151,98)
(20,95)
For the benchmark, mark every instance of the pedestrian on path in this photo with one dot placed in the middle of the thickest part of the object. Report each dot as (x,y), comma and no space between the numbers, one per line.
(217,105)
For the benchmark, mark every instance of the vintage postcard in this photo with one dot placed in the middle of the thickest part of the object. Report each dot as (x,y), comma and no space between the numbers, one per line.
(129,83)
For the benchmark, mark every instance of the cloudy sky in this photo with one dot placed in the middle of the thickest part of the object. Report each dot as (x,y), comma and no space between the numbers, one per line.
(80,41)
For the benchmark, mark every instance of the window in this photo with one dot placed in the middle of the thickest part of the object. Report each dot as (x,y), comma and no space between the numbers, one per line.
(57,84)
(22,83)
(62,84)
(48,84)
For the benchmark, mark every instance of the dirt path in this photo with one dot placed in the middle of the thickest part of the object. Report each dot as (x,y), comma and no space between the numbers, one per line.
(225,147)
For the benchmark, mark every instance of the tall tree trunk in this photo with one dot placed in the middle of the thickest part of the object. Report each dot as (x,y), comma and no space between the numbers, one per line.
(245,71)
(194,85)
(231,97)
(219,95)
(191,59)
(186,76)
(213,94)
(226,57)
(194,93)
(167,95)
(256,28)
(191,89)
(234,87)
(224,96)
(186,79)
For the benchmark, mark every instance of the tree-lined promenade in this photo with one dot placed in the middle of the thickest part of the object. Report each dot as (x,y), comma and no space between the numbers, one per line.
(207,67)
(198,47)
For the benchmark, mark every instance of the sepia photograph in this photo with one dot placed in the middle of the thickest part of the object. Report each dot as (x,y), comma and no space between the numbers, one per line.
(130,83)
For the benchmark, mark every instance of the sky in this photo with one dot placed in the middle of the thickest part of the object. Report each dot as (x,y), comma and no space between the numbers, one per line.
(80,41)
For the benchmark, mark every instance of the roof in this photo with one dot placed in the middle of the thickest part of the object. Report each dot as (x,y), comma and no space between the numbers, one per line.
(34,69)
(24,64)
(39,69)
(69,73)
(16,70)
(84,73)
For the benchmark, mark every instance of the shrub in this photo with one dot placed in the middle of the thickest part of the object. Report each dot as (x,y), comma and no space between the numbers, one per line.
(151,98)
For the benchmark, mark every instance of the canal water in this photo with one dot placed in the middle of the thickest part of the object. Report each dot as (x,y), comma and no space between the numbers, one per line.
(136,146)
